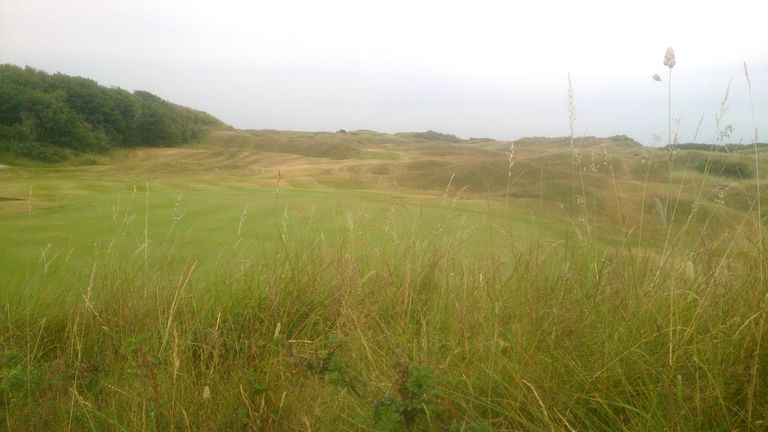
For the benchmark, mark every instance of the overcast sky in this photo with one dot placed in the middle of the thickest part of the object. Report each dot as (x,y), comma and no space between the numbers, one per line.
(474,68)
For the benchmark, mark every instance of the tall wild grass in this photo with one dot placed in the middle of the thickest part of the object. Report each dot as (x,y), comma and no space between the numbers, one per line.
(660,332)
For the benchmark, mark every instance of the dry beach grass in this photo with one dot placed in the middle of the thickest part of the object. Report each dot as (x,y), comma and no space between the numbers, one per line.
(396,283)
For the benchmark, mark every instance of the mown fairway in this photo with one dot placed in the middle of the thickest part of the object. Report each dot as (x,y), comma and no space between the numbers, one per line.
(393,282)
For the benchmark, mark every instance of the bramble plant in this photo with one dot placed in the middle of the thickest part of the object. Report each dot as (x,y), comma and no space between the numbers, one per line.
(415,392)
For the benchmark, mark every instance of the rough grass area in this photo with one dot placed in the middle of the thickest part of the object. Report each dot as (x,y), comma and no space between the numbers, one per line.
(399,334)
(597,288)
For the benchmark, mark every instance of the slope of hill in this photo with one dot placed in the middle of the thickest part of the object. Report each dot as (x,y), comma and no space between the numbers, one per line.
(613,181)
(43,116)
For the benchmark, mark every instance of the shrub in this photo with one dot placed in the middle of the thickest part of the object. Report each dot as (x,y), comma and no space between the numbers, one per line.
(725,168)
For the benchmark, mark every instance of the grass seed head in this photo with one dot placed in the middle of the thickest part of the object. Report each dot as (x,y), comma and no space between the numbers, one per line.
(669,58)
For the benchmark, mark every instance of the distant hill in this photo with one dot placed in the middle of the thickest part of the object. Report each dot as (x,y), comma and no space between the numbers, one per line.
(44,116)
(723,148)
(433,136)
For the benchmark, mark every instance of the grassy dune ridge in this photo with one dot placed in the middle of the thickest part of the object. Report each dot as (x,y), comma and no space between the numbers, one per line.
(393,282)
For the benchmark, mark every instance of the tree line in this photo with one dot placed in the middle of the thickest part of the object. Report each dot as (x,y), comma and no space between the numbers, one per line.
(42,116)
